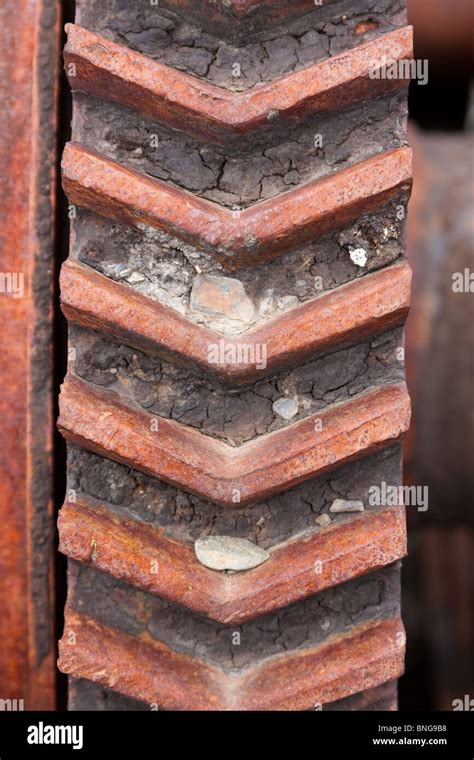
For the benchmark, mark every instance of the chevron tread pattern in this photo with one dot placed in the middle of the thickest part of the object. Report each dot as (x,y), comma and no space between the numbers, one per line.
(144,618)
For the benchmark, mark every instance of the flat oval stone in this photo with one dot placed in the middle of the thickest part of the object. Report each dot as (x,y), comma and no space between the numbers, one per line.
(227,553)
(341,505)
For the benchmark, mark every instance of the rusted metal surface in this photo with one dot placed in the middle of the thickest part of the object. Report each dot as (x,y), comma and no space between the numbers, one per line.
(239,20)
(127,549)
(144,487)
(383,698)
(29,45)
(103,68)
(365,307)
(182,456)
(258,233)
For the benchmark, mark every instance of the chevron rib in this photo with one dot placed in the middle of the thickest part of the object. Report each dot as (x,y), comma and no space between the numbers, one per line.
(109,70)
(363,308)
(128,548)
(260,232)
(99,421)
(153,673)
(86,695)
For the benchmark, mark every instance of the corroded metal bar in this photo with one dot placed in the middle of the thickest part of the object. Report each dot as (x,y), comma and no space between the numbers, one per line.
(29,47)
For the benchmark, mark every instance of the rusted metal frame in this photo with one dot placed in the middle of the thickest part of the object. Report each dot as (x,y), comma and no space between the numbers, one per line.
(444,36)
(440,446)
(29,42)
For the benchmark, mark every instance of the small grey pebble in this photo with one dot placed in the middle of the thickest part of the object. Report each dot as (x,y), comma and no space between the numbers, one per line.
(323,520)
(287,408)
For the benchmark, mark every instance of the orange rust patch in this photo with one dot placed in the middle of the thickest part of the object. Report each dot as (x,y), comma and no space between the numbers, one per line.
(366,26)
(29,46)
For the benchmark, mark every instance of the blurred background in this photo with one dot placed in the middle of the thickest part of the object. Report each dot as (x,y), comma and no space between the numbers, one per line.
(438,579)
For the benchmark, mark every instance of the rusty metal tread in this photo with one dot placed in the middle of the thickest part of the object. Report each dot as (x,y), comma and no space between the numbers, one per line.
(362,308)
(258,233)
(129,550)
(144,617)
(150,671)
(101,421)
(187,103)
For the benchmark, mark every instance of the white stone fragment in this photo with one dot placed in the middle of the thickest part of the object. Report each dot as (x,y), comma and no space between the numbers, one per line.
(358,256)
(135,277)
(227,553)
(287,302)
(266,303)
(341,505)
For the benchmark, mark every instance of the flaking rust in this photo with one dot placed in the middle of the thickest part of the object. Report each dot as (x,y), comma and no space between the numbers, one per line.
(318,622)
